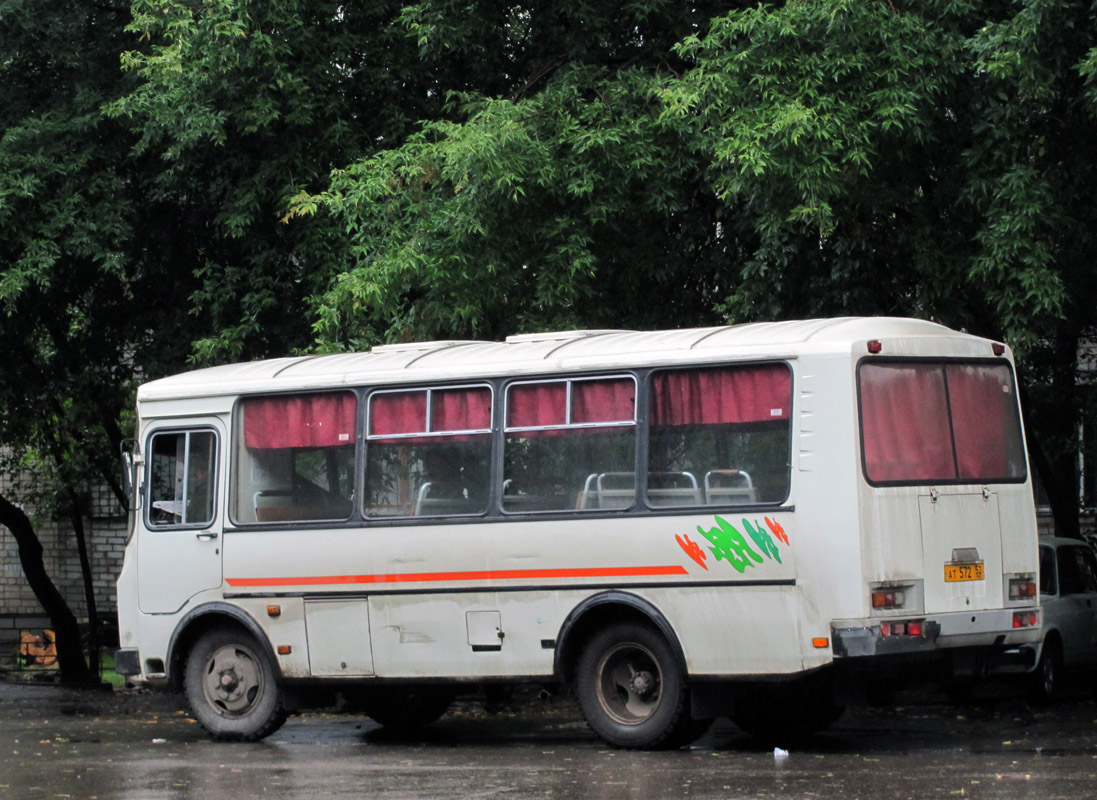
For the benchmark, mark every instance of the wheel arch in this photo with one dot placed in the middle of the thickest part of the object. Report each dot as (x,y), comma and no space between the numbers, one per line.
(602,609)
(206,617)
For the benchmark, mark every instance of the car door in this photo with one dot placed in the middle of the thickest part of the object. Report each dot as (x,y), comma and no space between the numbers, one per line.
(1078,603)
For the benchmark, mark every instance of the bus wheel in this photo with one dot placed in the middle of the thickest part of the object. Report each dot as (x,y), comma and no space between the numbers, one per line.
(230,686)
(406,708)
(632,692)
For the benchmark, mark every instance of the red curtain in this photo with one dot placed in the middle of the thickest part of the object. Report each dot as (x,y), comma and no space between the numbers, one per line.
(985,421)
(311,420)
(393,413)
(532,405)
(724,395)
(904,423)
(460,409)
(603,401)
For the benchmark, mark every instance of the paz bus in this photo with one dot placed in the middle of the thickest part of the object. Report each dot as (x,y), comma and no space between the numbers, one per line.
(735,521)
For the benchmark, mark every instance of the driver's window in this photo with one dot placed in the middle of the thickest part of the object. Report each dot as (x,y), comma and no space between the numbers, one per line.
(182,478)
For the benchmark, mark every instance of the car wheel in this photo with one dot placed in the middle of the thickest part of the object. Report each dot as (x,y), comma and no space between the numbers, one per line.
(230,685)
(1044,679)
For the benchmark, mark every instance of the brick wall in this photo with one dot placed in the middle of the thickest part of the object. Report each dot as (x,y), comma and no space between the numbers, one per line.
(105,528)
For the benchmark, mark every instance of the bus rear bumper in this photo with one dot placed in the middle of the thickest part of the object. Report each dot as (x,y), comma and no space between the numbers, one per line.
(993,628)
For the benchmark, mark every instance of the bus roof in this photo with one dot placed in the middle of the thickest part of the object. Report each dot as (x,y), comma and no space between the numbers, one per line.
(543,352)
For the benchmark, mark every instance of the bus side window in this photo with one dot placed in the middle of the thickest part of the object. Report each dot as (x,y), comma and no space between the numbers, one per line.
(295,458)
(182,475)
(428,452)
(720,435)
(570,445)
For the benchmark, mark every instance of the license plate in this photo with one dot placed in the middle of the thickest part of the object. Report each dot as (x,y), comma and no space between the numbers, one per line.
(964,572)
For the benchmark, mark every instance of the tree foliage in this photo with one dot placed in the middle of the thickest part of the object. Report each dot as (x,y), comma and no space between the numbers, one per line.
(201,182)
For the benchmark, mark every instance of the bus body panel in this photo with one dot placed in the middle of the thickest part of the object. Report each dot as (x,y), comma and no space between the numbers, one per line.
(764,589)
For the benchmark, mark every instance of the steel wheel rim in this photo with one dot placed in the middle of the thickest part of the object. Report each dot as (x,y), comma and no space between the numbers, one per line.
(629,683)
(233,682)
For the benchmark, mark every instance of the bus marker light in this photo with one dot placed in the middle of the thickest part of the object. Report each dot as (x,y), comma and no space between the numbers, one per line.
(820,641)
(875,346)
(999,349)
(1021,588)
(274,611)
(284,649)
(888,598)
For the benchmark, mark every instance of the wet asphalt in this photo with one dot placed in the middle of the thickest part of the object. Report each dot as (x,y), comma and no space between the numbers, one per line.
(61,743)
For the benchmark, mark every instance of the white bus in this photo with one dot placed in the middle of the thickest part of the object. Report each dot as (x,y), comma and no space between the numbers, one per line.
(684,524)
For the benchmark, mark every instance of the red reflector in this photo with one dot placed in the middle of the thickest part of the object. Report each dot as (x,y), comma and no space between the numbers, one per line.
(1024,619)
(875,346)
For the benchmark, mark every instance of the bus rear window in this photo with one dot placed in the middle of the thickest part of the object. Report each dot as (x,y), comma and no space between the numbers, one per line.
(940,423)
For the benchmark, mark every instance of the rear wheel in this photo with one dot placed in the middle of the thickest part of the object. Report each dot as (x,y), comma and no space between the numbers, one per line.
(632,691)
(230,685)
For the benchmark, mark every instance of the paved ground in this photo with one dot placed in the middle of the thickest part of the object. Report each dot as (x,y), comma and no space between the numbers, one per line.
(57,743)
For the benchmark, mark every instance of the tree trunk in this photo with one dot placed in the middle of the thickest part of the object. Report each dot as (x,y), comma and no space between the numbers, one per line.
(70,654)
(89,584)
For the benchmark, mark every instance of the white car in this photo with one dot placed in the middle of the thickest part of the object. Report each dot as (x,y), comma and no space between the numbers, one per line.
(1068,597)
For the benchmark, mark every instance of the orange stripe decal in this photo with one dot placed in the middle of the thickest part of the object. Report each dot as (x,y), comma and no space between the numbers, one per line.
(446,577)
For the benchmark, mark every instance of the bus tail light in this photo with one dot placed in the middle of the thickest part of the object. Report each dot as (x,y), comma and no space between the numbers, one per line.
(911,627)
(1023,588)
(1025,619)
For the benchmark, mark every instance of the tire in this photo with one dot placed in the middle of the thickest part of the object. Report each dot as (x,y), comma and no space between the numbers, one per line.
(632,691)
(405,709)
(1041,683)
(230,685)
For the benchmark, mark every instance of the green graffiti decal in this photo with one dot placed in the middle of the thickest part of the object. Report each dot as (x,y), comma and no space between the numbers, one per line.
(763,540)
(729,544)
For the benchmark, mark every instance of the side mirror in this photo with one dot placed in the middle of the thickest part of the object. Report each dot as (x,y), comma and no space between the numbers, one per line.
(129,474)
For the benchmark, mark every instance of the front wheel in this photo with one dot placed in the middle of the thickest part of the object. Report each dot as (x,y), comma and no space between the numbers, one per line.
(632,691)
(230,686)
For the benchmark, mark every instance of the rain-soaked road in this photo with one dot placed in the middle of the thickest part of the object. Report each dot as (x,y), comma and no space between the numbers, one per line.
(56,744)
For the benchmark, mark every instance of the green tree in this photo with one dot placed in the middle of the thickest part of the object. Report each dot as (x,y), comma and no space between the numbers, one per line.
(65,329)
(811,158)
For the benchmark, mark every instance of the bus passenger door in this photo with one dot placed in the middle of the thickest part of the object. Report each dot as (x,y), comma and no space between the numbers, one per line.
(179,552)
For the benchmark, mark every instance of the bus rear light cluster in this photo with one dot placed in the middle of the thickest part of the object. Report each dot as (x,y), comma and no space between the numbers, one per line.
(888,598)
(1022,588)
(914,627)
(1025,619)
